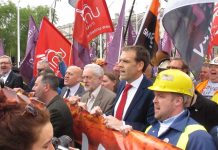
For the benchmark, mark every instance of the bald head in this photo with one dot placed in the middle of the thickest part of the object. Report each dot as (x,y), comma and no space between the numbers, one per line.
(73,76)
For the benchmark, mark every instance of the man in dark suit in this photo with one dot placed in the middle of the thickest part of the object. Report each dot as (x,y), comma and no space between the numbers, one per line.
(45,89)
(10,78)
(138,110)
(72,79)
(96,94)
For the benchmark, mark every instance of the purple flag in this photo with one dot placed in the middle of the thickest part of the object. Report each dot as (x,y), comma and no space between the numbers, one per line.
(26,67)
(115,46)
(1,48)
(188,24)
(81,56)
(72,3)
(166,43)
(92,49)
(131,35)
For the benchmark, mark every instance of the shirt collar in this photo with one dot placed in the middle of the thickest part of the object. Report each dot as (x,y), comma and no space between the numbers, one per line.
(170,120)
(96,91)
(75,87)
(137,82)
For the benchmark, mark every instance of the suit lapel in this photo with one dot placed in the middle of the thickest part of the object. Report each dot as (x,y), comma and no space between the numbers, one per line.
(63,91)
(138,95)
(79,91)
(9,78)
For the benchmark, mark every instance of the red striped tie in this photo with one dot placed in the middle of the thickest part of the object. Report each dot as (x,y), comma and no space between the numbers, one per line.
(122,103)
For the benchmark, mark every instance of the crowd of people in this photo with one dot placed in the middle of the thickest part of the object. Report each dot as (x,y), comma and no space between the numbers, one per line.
(167,103)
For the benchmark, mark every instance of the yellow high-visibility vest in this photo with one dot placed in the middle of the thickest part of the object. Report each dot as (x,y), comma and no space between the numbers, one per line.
(184,137)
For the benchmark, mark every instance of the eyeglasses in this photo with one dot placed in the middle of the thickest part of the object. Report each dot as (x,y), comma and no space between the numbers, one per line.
(4,63)
(39,70)
(30,109)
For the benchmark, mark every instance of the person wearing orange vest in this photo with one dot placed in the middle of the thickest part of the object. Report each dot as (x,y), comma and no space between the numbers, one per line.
(209,88)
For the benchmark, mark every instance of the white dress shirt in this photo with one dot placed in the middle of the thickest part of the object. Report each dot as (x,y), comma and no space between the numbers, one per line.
(92,98)
(131,93)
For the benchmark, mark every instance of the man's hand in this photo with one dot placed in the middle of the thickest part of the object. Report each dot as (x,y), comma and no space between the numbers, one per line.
(113,123)
(60,57)
(125,129)
(83,105)
(96,111)
(74,99)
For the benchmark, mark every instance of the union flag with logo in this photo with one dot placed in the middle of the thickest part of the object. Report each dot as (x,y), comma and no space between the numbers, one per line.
(91,19)
(50,43)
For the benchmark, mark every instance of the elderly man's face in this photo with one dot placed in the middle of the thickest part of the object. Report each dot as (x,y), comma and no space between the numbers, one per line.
(91,81)
(5,65)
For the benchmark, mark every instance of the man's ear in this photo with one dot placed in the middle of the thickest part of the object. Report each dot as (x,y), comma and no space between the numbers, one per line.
(46,87)
(179,100)
(140,65)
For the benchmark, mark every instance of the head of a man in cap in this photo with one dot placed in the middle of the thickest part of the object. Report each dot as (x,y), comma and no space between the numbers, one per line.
(213,70)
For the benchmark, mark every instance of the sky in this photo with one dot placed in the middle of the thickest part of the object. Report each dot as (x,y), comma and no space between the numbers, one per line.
(65,12)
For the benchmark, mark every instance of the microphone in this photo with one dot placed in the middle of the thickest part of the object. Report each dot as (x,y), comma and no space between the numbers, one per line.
(62,143)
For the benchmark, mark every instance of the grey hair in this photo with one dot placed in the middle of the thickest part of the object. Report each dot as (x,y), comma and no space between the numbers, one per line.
(8,57)
(43,61)
(97,70)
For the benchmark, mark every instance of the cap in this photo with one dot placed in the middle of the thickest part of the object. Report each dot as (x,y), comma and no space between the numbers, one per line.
(214,61)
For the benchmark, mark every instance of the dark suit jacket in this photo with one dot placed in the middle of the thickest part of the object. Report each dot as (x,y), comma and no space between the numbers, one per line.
(204,111)
(14,80)
(140,113)
(104,99)
(79,92)
(60,116)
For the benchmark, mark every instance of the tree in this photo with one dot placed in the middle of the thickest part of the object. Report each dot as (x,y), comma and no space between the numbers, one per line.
(8,25)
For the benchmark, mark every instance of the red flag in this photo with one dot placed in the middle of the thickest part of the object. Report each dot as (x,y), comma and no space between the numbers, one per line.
(214,33)
(91,19)
(50,42)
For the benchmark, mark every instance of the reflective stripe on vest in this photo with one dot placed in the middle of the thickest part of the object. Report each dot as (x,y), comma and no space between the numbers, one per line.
(184,137)
(148,128)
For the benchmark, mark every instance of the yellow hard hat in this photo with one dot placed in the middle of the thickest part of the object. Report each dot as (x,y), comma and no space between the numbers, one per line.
(173,80)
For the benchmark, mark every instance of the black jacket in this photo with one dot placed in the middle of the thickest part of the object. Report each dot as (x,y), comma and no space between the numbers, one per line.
(204,111)
(60,116)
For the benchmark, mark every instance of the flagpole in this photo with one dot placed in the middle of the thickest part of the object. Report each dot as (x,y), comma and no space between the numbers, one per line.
(101,49)
(130,15)
(18,34)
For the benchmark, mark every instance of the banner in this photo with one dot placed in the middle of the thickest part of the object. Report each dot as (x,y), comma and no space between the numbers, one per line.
(51,42)
(91,132)
(115,46)
(2,51)
(188,24)
(91,19)
(26,67)
(148,34)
